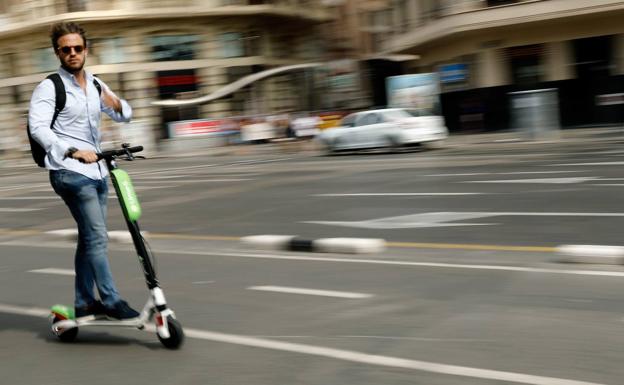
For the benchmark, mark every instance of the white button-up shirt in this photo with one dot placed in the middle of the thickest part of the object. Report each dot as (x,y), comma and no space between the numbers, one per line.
(77,125)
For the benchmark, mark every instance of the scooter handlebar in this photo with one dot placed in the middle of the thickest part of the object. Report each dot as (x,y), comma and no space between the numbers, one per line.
(121,152)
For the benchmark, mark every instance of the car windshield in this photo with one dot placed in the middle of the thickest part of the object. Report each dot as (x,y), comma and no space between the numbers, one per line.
(396,114)
(348,121)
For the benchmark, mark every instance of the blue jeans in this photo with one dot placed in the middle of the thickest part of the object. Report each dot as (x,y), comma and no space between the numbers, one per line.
(87,201)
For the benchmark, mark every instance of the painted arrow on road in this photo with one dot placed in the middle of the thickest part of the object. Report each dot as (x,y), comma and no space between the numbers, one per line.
(445,219)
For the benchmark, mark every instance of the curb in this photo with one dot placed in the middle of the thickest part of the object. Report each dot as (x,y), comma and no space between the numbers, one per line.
(322,245)
(591,254)
(116,236)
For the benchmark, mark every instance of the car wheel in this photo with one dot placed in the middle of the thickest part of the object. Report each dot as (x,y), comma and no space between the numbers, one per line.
(327,147)
(393,144)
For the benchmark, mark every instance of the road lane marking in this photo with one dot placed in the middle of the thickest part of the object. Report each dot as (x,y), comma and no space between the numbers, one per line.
(445,219)
(143,177)
(25,186)
(509,173)
(396,194)
(16,210)
(29,198)
(459,246)
(587,164)
(415,245)
(52,270)
(539,180)
(389,262)
(298,290)
(344,355)
(462,174)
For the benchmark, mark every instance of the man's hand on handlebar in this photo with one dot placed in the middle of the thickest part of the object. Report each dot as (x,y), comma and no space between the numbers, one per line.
(85,156)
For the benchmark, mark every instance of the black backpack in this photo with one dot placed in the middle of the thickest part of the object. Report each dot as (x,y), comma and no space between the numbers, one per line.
(38,153)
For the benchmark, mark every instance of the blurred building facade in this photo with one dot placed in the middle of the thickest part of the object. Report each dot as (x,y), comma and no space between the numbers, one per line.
(148,50)
(484,49)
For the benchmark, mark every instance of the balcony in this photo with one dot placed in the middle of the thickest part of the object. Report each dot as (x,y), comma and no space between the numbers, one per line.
(24,15)
(476,16)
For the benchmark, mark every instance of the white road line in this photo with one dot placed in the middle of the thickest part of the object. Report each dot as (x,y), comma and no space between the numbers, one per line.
(542,180)
(395,194)
(345,355)
(587,164)
(464,174)
(20,310)
(390,262)
(25,186)
(165,170)
(510,173)
(29,198)
(444,219)
(161,177)
(201,180)
(138,188)
(324,293)
(539,172)
(16,210)
(52,270)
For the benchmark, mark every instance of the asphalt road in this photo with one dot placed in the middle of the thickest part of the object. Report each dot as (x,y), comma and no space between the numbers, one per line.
(484,301)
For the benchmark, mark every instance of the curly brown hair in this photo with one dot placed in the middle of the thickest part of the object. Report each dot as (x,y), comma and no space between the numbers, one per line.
(59,30)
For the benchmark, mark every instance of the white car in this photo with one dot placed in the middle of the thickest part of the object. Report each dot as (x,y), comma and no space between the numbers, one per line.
(390,127)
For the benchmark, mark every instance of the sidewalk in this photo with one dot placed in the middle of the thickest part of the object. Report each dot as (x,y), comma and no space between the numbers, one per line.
(499,138)
(203,147)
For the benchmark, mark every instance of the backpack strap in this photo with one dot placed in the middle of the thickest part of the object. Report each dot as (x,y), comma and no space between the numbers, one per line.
(97,85)
(61,97)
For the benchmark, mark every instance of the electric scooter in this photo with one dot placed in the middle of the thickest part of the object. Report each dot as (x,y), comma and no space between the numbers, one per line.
(168,329)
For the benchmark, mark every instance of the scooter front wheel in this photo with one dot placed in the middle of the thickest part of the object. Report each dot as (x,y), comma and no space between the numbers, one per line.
(64,334)
(176,334)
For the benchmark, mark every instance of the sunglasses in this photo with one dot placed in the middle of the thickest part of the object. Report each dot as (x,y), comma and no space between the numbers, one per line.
(68,48)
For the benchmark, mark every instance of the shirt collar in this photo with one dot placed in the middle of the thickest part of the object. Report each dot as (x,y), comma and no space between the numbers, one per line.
(66,74)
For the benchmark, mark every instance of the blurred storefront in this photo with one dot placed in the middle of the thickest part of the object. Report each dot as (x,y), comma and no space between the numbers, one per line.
(486,50)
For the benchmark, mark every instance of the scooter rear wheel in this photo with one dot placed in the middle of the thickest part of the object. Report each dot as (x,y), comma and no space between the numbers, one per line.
(176,334)
(66,335)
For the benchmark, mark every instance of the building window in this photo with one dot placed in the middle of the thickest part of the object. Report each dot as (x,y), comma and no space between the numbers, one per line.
(44,60)
(109,51)
(76,5)
(231,45)
(236,44)
(5,66)
(240,100)
(526,65)
(494,3)
(174,47)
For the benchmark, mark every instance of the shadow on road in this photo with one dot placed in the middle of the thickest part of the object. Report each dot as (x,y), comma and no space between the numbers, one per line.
(40,327)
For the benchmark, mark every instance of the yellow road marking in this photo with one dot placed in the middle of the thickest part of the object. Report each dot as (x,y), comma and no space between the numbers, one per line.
(405,245)
(19,232)
(190,237)
(536,249)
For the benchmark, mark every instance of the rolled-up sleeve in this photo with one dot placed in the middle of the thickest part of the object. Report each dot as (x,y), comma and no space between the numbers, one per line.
(40,115)
(126,111)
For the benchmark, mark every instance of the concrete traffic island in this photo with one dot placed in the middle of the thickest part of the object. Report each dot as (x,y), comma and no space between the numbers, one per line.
(321,245)
(591,254)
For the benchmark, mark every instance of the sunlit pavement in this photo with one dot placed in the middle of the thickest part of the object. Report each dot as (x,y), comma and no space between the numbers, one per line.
(468,291)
